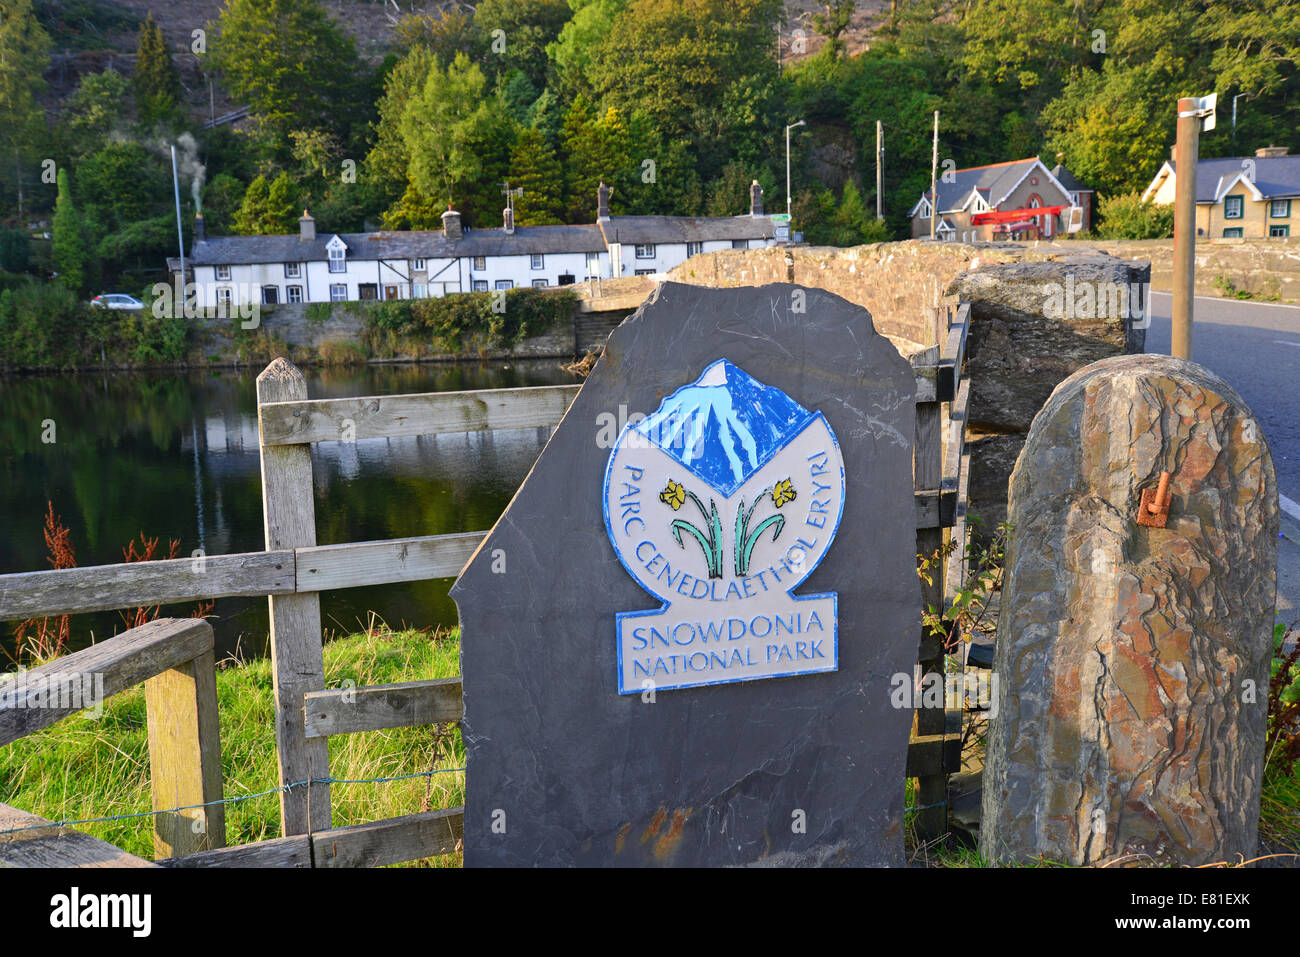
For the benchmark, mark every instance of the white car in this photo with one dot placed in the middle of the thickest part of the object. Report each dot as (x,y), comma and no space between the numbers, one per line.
(116,300)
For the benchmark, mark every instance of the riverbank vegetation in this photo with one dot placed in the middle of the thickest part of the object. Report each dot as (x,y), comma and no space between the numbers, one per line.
(43,327)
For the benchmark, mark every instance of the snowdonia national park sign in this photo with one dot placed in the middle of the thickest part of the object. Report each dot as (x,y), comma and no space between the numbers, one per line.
(678,642)
(771,474)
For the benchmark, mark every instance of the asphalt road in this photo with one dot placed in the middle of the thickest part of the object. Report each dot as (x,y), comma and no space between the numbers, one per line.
(1256,348)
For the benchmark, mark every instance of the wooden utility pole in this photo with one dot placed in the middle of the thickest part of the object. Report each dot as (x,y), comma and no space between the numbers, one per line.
(1190,111)
(934,177)
(880,163)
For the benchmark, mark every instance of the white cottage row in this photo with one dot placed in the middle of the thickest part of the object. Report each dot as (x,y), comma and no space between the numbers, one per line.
(343,267)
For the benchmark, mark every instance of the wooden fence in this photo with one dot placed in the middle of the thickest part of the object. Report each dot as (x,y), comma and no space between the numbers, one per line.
(174,657)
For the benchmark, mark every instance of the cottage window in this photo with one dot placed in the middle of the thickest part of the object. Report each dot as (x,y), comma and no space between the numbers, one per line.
(223,272)
(539,283)
(538,261)
(505,284)
(739,244)
(337,262)
(480,262)
(270,295)
(292,270)
(223,296)
(1233,207)
(694,249)
(1232,233)
(295,293)
(419,265)
(645,251)
(480,285)
(338,292)
(419,290)
(1280,209)
(645,272)
(1279,232)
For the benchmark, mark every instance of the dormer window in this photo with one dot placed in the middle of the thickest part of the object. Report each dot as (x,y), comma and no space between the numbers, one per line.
(338,255)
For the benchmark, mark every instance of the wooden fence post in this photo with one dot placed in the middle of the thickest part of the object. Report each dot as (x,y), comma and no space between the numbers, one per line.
(931,790)
(185,758)
(297,664)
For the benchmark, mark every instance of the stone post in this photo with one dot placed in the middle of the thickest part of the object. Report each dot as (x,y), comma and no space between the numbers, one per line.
(1133,660)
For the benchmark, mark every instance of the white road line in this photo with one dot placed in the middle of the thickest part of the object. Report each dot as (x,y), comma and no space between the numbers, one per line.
(1287,342)
(1239,302)
(1290,507)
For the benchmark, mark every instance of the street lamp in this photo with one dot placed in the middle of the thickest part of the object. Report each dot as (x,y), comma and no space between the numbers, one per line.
(1234,120)
(787,163)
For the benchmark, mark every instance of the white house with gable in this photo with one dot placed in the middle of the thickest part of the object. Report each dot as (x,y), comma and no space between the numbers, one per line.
(350,267)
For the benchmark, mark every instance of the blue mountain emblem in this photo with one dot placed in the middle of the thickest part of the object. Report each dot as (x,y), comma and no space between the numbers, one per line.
(724,426)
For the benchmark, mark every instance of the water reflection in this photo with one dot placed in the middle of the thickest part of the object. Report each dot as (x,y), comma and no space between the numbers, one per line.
(175,456)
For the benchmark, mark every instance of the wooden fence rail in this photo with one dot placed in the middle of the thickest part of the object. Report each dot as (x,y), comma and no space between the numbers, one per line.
(173,658)
(294,569)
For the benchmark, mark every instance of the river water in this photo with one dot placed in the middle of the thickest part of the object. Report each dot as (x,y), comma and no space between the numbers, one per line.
(174,455)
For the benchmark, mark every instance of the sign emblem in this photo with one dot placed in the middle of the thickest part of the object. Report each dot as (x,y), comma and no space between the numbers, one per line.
(719,504)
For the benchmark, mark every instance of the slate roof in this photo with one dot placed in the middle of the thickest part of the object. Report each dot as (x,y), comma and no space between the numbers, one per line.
(685,229)
(413,244)
(1277,177)
(526,240)
(1069,180)
(993,183)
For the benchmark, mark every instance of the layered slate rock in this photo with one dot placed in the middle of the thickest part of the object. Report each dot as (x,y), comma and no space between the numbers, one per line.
(1033,324)
(1133,661)
(802,770)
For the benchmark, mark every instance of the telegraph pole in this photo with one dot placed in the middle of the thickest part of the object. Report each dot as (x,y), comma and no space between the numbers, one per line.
(1191,110)
(934,177)
(880,162)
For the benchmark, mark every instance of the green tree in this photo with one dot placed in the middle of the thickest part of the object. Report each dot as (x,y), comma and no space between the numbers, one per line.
(1113,127)
(93,111)
(24,57)
(69,238)
(595,150)
(535,168)
(853,224)
(1125,216)
(833,23)
(677,59)
(526,28)
(157,82)
(455,31)
(291,63)
(456,138)
(571,51)
(221,201)
(123,182)
(268,209)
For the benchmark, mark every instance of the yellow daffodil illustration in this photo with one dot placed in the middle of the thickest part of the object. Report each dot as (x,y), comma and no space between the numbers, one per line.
(673,495)
(782,493)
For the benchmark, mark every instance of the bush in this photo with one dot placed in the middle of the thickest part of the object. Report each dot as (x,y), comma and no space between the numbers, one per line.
(1127,217)
(318,311)
(457,323)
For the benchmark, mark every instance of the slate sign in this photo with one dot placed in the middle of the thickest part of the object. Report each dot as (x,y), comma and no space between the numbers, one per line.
(677,643)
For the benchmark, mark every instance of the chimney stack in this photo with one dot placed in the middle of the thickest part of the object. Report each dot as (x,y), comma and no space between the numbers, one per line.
(306,228)
(200,229)
(602,202)
(508,216)
(1268,152)
(755,199)
(451,225)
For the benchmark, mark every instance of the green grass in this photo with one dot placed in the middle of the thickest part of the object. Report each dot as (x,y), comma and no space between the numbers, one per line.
(83,767)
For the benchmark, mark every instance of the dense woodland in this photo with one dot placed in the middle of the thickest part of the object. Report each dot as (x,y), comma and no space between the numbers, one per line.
(678,104)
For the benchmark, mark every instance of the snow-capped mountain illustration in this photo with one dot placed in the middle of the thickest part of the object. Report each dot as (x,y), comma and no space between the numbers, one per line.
(725,426)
